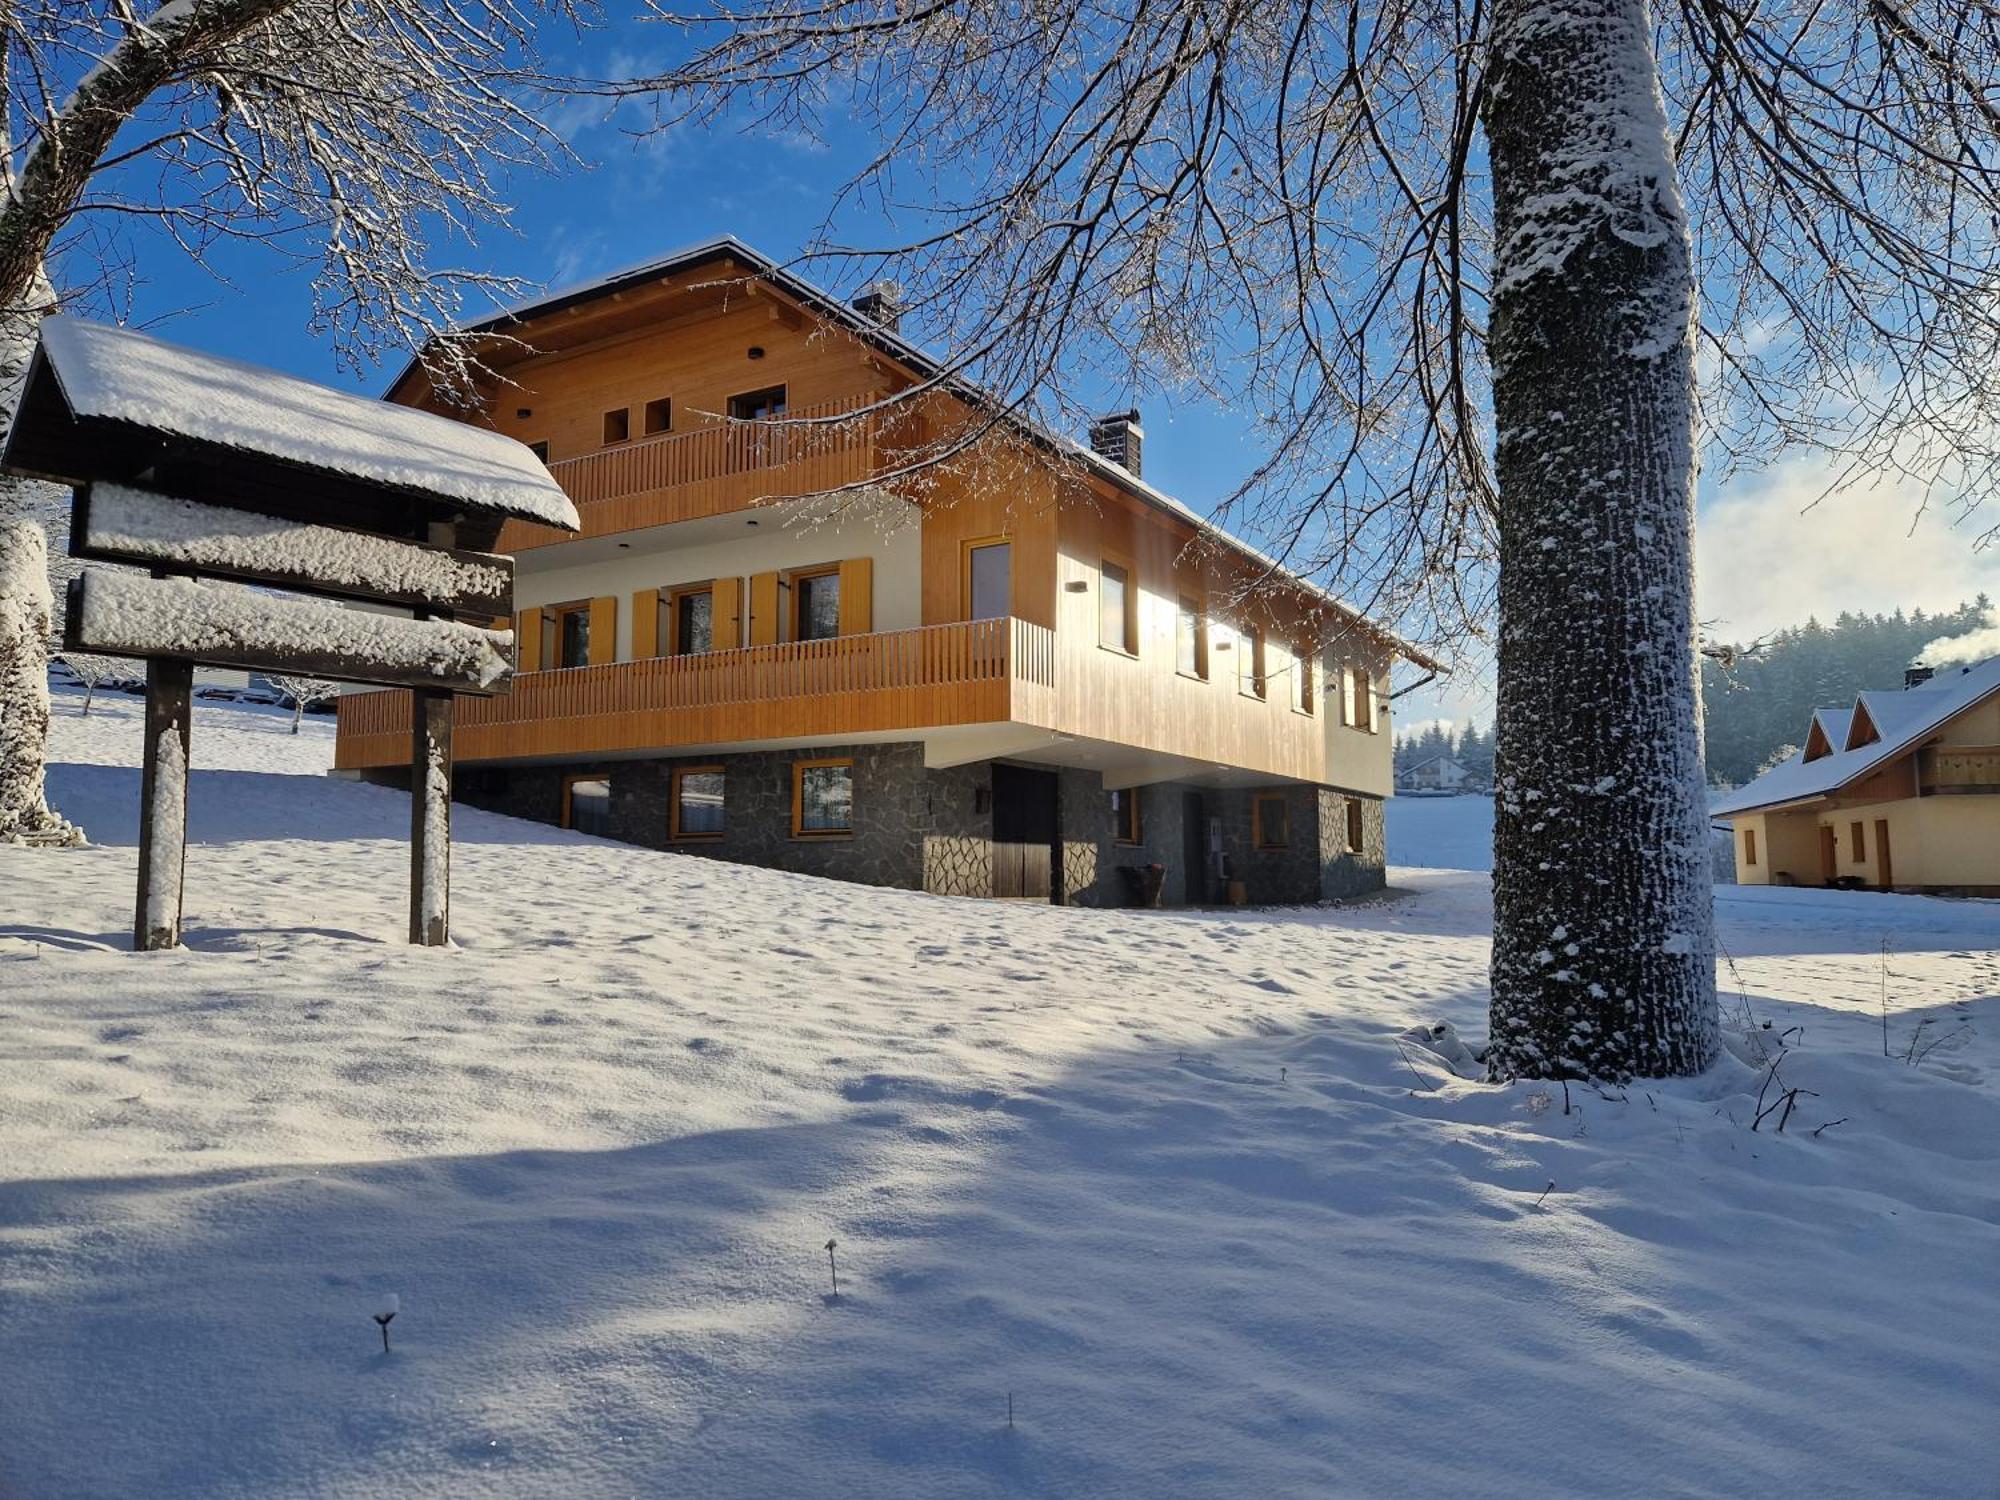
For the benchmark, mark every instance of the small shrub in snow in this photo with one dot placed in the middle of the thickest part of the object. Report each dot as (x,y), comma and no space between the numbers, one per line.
(832,1269)
(385,1313)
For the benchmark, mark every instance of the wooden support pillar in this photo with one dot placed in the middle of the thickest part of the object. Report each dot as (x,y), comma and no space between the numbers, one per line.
(156,919)
(430,818)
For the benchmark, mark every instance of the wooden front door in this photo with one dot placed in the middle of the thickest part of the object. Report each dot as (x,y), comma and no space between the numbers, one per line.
(1829,852)
(1882,852)
(1024,832)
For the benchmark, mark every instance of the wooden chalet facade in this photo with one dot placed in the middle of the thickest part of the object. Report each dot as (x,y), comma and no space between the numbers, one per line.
(1007,675)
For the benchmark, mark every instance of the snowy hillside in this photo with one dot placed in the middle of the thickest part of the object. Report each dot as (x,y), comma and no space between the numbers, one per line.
(1441,833)
(1169,1181)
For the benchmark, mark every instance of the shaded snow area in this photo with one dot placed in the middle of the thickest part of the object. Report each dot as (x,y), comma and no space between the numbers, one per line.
(1445,833)
(1171,1181)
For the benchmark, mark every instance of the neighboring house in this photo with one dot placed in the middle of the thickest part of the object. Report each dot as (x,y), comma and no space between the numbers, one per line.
(1901,791)
(1004,682)
(1441,773)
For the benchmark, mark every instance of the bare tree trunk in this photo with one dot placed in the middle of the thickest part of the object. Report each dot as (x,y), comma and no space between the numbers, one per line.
(25,601)
(1603,948)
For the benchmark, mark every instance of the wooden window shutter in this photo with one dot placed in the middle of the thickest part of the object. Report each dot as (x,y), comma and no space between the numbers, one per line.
(603,629)
(727,618)
(857,596)
(764,609)
(528,641)
(645,624)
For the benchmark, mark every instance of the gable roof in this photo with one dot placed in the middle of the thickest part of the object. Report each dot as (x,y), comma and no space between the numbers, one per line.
(1905,719)
(1828,732)
(838,311)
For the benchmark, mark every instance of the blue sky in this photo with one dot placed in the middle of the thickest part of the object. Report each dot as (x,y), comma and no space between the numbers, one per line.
(1768,556)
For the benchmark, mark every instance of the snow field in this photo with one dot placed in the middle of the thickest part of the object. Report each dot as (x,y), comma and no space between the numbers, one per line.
(1169,1179)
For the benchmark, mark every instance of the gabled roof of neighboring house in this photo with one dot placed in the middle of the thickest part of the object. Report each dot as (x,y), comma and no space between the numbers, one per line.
(1432,760)
(1904,720)
(836,310)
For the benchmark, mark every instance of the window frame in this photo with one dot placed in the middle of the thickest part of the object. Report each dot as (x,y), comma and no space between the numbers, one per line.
(1371,711)
(661,406)
(540,448)
(1259,834)
(1189,607)
(1356,830)
(966,549)
(1304,698)
(734,404)
(621,416)
(1749,848)
(795,605)
(799,769)
(1128,828)
(569,781)
(554,632)
(1253,679)
(675,594)
(675,833)
(1130,621)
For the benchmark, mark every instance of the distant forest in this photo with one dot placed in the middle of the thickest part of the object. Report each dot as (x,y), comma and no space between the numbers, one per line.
(1758,704)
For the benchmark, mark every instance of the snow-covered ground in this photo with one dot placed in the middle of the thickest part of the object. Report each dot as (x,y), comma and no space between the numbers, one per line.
(1442,833)
(1167,1180)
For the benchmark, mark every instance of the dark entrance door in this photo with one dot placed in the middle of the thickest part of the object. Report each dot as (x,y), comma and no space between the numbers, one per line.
(1194,847)
(1024,832)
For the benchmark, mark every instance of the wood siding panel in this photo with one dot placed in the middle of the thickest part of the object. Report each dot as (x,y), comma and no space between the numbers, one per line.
(728,618)
(645,624)
(528,641)
(766,613)
(603,629)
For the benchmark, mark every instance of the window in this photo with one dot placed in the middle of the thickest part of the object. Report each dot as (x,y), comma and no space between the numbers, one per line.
(1357,827)
(1859,844)
(1250,663)
(758,406)
(697,803)
(659,416)
(1117,623)
(1350,710)
(1270,822)
(586,804)
(1749,846)
(617,425)
(1190,640)
(694,620)
(1302,682)
(540,450)
(822,798)
(572,635)
(1125,827)
(989,580)
(1371,707)
(816,605)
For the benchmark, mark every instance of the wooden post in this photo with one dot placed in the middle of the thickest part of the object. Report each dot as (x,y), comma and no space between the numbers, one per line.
(430,818)
(156,918)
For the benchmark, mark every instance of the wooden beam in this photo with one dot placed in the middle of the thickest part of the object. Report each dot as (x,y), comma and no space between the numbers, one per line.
(156,917)
(430,818)
(228,625)
(117,523)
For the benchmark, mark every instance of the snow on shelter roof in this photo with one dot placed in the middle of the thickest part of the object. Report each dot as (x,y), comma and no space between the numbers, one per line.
(117,375)
(839,311)
(1913,715)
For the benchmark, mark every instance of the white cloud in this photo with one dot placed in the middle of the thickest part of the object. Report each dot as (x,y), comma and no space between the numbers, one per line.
(1767,555)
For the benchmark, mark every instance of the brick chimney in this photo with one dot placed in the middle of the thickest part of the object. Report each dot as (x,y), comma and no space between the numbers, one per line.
(1913,676)
(1119,438)
(882,305)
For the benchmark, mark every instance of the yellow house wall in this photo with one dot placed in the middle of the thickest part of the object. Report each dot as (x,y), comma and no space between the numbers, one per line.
(1944,841)
(1977,726)
(1787,843)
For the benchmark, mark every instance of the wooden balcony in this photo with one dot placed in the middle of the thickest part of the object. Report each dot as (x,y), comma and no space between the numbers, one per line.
(1960,768)
(707,471)
(972,672)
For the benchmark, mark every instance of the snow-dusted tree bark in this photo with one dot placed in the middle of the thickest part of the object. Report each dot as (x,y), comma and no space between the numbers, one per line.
(349,133)
(1454,352)
(1603,953)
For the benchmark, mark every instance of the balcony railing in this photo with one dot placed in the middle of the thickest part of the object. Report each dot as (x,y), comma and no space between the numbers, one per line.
(970,672)
(1961,767)
(681,476)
